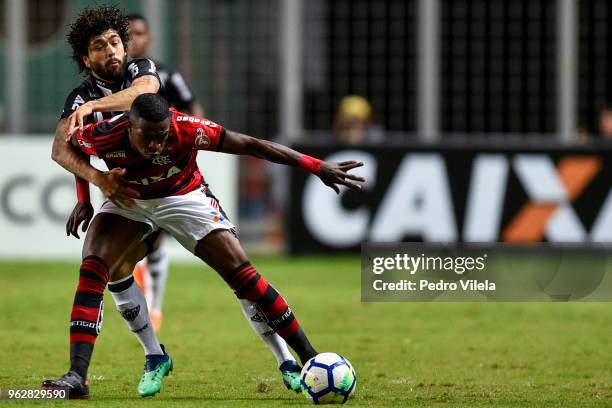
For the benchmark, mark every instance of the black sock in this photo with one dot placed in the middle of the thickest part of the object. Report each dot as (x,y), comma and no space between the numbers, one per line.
(87,313)
(300,343)
(80,356)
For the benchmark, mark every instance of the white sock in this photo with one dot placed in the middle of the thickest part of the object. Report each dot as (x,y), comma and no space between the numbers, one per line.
(132,305)
(275,343)
(158,269)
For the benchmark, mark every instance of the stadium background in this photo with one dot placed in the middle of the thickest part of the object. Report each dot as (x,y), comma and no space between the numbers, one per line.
(496,104)
(466,73)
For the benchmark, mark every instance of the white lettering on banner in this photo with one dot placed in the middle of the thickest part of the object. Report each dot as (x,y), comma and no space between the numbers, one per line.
(322,210)
(541,181)
(485,198)
(602,228)
(25,200)
(418,202)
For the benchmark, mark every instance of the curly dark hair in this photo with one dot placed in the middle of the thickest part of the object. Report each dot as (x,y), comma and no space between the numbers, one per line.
(92,22)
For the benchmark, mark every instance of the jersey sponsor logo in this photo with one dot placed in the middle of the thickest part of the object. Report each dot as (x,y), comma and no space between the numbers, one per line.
(83,323)
(201,139)
(192,119)
(188,119)
(279,320)
(161,160)
(155,179)
(78,101)
(84,143)
(119,154)
(97,325)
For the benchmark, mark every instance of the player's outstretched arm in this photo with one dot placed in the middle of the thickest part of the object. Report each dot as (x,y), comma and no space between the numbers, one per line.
(332,174)
(117,102)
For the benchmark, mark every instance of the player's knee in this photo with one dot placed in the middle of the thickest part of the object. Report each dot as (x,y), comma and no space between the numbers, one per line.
(93,275)
(221,250)
(122,270)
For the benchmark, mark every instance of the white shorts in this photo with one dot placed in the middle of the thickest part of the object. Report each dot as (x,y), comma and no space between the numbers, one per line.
(188,218)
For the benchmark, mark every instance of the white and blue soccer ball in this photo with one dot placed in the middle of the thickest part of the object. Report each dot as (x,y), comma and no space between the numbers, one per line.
(328,378)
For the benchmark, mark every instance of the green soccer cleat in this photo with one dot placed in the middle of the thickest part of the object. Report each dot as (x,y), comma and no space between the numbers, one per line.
(156,368)
(291,375)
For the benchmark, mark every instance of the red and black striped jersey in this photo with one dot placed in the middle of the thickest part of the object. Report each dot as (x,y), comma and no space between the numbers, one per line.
(172,172)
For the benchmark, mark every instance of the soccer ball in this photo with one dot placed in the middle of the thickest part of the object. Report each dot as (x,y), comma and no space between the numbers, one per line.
(328,378)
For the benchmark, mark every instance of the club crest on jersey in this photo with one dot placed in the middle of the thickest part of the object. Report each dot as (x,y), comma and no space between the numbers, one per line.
(201,139)
(161,160)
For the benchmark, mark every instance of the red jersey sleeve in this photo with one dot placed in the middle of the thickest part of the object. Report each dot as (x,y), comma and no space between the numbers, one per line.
(198,133)
(84,140)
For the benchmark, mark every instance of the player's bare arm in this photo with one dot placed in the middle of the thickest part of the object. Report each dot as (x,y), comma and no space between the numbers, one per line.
(109,182)
(332,174)
(117,102)
(69,158)
(76,162)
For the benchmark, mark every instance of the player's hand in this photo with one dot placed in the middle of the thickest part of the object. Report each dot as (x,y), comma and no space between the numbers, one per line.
(336,174)
(115,188)
(82,213)
(76,119)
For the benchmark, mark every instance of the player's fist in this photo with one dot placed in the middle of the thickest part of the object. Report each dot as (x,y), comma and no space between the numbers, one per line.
(115,188)
(82,213)
(336,174)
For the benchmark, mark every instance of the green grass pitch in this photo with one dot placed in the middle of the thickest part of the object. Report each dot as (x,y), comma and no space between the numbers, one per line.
(405,354)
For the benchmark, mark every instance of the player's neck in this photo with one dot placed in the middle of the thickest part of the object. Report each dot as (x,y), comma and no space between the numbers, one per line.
(102,81)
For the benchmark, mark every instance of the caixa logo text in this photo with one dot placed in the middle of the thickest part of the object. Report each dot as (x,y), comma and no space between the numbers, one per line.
(26,198)
(473,197)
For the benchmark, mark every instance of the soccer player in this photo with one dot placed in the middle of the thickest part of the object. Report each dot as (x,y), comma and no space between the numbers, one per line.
(178,93)
(152,275)
(97,38)
(172,196)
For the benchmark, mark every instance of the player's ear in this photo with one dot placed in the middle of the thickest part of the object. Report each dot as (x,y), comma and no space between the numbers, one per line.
(86,61)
